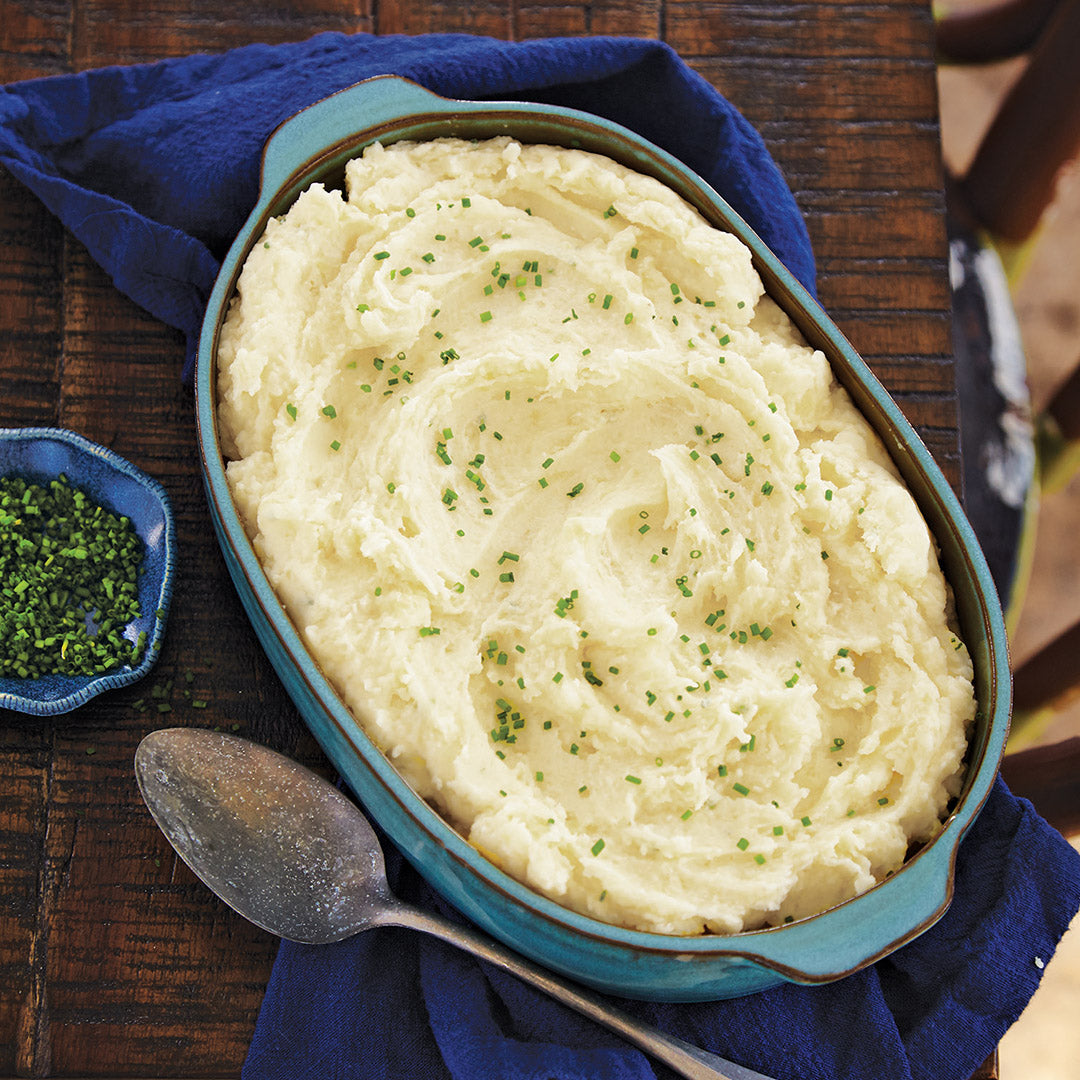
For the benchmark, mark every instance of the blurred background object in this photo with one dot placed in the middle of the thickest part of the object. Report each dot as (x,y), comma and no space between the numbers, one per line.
(1044,280)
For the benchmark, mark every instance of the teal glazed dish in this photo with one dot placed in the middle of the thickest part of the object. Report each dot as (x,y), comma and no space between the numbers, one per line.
(313,146)
(40,455)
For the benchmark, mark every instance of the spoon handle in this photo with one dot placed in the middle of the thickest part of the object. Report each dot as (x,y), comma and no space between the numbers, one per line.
(683,1058)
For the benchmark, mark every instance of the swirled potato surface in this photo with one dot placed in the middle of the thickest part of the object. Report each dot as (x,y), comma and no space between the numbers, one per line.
(591,542)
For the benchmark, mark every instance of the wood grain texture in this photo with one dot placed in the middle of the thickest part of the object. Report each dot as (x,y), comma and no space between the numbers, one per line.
(114,960)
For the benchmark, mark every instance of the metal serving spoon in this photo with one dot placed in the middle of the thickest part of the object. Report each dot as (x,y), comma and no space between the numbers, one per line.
(290,852)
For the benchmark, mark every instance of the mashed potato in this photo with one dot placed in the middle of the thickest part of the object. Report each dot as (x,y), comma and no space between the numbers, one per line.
(591,542)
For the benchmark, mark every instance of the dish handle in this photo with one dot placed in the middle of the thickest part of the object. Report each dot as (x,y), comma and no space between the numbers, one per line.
(361,107)
(866,932)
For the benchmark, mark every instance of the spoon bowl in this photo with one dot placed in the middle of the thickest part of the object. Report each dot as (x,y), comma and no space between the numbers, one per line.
(275,841)
(291,853)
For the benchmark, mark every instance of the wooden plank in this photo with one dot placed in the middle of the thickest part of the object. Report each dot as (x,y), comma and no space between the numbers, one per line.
(34,40)
(521,21)
(885,333)
(25,750)
(31,290)
(823,89)
(923,376)
(486,17)
(846,222)
(790,29)
(619,19)
(113,32)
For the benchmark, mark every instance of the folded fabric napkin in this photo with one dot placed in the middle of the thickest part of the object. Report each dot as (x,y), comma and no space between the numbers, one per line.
(154,169)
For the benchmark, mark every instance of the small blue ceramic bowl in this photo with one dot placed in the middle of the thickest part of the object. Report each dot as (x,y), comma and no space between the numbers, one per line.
(314,146)
(40,455)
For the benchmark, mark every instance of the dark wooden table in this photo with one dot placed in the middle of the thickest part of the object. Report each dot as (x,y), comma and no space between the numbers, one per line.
(114,960)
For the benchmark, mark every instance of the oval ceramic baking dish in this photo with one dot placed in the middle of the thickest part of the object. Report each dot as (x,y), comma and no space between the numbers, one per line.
(313,146)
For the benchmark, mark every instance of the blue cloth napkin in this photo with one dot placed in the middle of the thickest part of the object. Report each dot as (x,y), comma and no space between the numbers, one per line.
(154,169)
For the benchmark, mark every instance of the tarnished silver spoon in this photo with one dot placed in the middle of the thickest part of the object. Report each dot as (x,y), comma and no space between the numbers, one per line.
(287,850)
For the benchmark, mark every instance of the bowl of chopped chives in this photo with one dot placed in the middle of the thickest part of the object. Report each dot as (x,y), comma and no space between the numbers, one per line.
(87,557)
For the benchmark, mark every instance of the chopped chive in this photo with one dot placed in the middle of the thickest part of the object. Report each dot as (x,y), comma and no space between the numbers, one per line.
(598,847)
